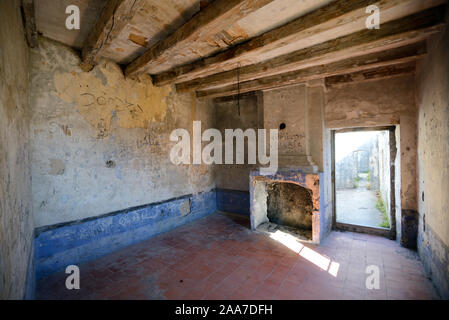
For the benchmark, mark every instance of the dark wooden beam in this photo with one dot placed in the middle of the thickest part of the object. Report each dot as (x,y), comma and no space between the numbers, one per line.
(337,19)
(410,29)
(30,22)
(214,18)
(393,57)
(385,72)
(113,19)
(221,99)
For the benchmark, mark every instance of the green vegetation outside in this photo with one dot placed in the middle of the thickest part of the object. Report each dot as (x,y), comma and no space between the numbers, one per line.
(380,205)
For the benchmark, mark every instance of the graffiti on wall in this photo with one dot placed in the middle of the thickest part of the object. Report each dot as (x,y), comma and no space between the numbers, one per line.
(104,95)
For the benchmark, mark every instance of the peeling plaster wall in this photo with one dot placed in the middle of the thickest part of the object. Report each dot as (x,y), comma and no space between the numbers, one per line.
(382,103)
(100,143)
(233,180)
(236,176)
(300,107)
(433,160)
(289,106)
(315,115)
(16,225)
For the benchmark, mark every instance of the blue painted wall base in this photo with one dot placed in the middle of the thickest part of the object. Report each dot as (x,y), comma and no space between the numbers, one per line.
(233,201)
(76,242)
(435,258)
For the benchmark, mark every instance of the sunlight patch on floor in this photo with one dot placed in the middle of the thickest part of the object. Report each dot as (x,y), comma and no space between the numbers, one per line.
(310,255)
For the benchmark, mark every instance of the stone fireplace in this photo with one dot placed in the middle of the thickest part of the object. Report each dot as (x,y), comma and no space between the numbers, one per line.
(288,201)
(293,200)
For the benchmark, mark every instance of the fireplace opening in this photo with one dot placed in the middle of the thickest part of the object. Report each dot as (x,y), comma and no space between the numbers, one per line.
(289,209)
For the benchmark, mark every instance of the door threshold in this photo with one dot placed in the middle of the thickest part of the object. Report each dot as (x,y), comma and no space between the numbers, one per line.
(383,232)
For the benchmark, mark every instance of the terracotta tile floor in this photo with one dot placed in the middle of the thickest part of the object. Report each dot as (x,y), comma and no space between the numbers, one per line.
(218,257)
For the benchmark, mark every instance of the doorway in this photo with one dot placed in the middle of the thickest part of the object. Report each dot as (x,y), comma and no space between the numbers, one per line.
(363,176)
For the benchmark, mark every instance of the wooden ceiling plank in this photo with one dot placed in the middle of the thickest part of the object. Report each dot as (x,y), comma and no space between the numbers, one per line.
(396,56)
(342,17)
(214,18)
(391,35)
(113,19)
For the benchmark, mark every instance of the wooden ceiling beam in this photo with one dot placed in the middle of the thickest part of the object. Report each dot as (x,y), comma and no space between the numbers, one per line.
(214,18)
(393,57)
(337,19)
(410,29)
(113,19)
(385,72)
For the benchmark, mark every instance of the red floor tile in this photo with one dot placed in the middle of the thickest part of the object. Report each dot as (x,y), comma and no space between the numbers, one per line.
(218,257)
